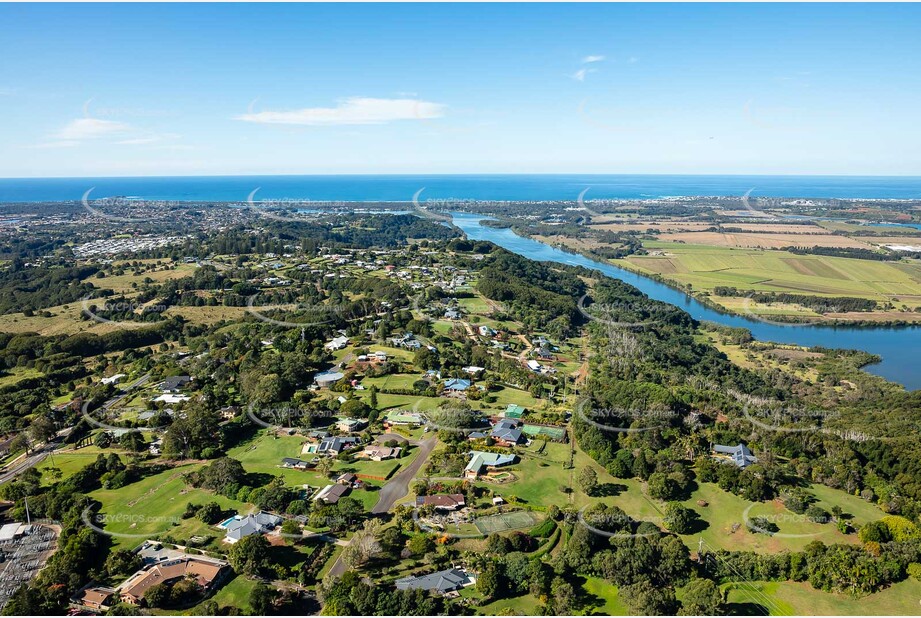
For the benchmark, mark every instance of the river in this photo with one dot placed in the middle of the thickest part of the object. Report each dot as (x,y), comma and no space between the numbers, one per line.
(899,347)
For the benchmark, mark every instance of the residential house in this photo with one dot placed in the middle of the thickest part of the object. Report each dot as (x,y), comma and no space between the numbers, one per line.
(380,453)
(482,461)
(174,384)
(207,572)
(337,343)
(336,444)
(740,455)
(514,411)
(332,493)
(442,582)
(457,384)
(350,425)
(297,464)
(442,502)
(347,478)
(240,527)
(507,432)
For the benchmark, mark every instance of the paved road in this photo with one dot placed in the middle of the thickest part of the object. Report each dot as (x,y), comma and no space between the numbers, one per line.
(41,453)
(396,488)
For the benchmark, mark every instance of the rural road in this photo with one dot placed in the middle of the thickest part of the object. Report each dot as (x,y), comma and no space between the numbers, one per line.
(42,452)
(396,488)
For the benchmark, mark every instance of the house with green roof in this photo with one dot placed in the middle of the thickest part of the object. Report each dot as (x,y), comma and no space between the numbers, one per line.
(514,411)
(484,460)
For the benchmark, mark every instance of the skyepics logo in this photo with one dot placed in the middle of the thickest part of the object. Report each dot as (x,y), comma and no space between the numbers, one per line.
(771,523)
(455,417)
(129,413)
(128,525)
(288,209)
(746,202)
(782,417)
(296,314)
(433,209)
(123,308)
(613,523)
(279,418)
(120,204)
(625,420)
(626,314)
(583,206)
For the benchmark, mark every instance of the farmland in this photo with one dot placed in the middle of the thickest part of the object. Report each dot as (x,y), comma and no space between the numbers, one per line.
(702,268)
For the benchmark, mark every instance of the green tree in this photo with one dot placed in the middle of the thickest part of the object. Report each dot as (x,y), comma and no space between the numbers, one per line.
(249,555)
(679,518)
(588,480)
(702,597)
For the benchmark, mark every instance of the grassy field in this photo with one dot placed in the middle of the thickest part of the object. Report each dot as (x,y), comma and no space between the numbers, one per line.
(601,599)
(724,511)
(234,593)
(123,283)
(799,598)
(705,267)
(154,506)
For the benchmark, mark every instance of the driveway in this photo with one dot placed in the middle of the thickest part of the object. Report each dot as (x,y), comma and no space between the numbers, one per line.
(396,488)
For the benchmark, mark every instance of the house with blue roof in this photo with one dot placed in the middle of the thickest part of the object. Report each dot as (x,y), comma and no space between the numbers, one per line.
(457,384)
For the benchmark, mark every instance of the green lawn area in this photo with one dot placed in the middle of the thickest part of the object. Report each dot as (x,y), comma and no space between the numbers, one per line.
(799,598)
(525,605)
(392,381)
(540,480)
(605,597)
(508,395)
(68,463)
(724,510)
(154,506)
(263,454)
(234,593)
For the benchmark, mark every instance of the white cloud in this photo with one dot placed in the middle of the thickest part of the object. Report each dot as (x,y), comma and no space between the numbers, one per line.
(589,59)
(352,111)
(579,75)
(90,128)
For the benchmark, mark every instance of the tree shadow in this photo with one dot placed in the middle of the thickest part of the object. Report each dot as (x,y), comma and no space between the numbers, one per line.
(608,489)
(747,609)
(258,479)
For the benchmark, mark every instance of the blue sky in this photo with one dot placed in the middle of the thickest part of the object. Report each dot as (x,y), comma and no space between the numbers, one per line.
(126,90)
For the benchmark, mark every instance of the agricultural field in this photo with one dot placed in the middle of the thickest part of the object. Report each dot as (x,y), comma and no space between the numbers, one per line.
(702,268)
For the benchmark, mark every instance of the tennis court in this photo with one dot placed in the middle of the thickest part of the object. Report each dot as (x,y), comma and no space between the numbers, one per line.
(507,521)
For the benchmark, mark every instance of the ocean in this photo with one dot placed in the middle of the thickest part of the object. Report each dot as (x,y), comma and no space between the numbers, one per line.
(401,188)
